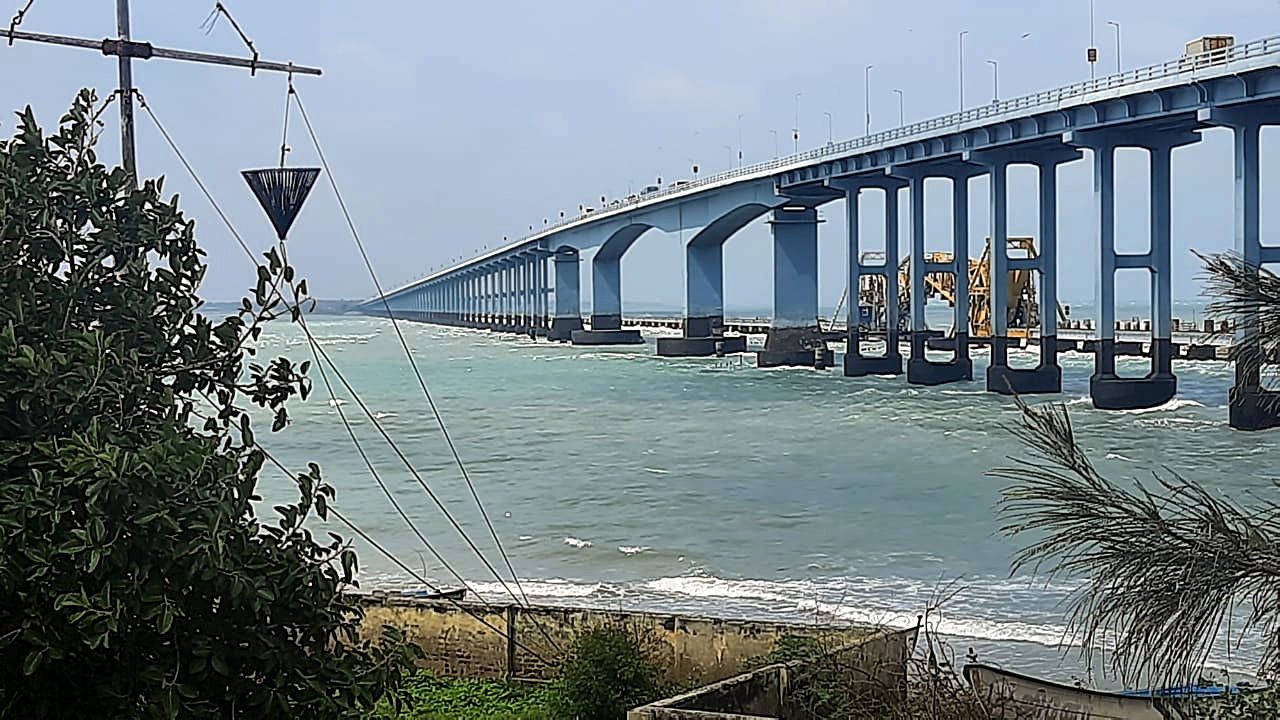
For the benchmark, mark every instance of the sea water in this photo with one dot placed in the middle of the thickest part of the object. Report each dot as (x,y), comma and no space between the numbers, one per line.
(615,478)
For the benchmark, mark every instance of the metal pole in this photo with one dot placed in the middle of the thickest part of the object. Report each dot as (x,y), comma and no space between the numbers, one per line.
(829,140)
(740,116)
(866,100)
(901,106)
(962,34)
(995,81)
(128,149)
(1116,25)
(795,129)
(1091,39)
(730,149)
(775,144)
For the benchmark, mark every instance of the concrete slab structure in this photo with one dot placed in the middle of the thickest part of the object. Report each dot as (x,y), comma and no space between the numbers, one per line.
(1158,108)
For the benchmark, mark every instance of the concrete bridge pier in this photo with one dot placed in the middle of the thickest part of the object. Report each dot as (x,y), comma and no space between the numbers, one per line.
(524,323)
(920,369)
(855,363)
(1252,406)
(540,302)
(794,337)
(606,293)
(1046,377)
(703,331)
(568,312)
(1108,390)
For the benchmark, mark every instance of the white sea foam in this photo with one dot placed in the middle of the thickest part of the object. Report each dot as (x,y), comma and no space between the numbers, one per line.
(335,402)
(547,589)
(1118,456)
(657,471)
(633,549)
(1171,406)
(577,543)
(384,415)
(1050,635)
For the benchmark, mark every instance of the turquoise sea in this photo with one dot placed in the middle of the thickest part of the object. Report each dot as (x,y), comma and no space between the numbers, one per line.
(619,479)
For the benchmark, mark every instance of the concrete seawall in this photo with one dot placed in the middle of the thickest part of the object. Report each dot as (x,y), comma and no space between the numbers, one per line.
(528,643)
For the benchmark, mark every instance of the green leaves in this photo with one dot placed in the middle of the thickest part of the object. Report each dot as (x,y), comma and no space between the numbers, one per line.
(135,578)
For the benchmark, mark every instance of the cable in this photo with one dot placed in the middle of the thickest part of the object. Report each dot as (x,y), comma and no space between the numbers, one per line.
(316,347)
(408,354)
(17,20)
(412,573)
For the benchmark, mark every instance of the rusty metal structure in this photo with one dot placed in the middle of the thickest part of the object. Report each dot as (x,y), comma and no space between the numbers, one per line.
(1021,293)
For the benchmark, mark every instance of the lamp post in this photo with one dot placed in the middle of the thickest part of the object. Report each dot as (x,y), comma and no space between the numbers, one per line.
(962,34)
(901,105)
(829,140)
(740,116)
(775,144)
(1093,49)
(995,81)
(730,149)
(795,129)
(866,95)
(1116,25)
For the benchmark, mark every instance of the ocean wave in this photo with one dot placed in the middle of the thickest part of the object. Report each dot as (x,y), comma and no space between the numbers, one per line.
(633,549)
(1172,406)
(577,543)
(978,629)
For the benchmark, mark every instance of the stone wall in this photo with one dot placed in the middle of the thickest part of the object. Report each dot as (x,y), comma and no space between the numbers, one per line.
(471,643)
(877,666)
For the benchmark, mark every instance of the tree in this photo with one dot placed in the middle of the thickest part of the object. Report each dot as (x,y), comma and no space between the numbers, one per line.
(136,579)
(1166,562)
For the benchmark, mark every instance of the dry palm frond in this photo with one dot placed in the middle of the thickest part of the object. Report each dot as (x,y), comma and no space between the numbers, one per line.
(1165,567)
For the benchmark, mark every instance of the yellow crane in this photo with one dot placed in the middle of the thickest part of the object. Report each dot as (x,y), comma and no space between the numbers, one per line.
(1023,307)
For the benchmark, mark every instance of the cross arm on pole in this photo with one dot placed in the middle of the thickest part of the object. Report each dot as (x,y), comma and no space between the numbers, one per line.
(145,51)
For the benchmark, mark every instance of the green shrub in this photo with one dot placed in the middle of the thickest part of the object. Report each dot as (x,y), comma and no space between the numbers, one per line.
(137,579)
(609,670)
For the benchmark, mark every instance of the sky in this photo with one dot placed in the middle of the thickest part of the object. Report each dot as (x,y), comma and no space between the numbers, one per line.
(451,125)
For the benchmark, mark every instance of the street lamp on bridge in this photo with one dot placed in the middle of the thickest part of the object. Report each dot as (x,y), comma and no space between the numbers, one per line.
(740,116)
(901,105)
(775,144)
(829,142)
(1116,25)
(995,80)
(962,34)
(795,129)
(866,99)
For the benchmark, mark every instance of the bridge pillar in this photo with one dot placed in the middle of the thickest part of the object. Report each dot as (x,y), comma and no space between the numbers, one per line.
(1252,406)
(568,317)
(540,326)
(1108,390)
(920,369)
(606,306)
(857,364)
(703,331)
(794,336)
(1046,377)
(524,319)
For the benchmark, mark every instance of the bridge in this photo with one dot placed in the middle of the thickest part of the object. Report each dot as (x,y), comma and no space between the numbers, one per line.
(532,285)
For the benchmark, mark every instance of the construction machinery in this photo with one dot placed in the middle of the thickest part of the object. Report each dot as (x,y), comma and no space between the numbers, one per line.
(1021,295)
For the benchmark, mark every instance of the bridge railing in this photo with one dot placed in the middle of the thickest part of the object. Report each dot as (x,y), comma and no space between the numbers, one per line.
(1213,60)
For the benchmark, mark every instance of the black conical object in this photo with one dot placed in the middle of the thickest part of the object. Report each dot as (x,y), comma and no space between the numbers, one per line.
(281,191)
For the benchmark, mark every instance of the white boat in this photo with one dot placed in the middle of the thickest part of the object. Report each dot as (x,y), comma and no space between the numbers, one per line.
(1010,696)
